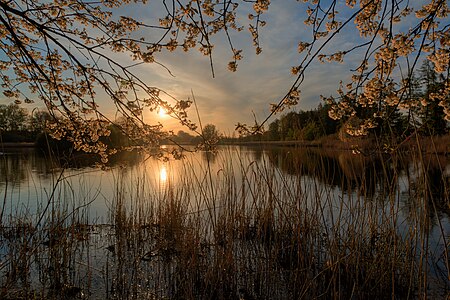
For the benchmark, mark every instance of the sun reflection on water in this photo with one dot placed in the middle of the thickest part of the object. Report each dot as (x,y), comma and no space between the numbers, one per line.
(163,174)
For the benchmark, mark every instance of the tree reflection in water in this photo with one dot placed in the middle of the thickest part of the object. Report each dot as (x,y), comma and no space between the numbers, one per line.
(278,223)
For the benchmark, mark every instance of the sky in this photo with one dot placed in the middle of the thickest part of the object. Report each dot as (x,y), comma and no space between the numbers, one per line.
(232,97)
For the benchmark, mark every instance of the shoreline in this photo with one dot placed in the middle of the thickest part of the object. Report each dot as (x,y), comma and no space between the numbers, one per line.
(277,143)
(436,144)
(440,145)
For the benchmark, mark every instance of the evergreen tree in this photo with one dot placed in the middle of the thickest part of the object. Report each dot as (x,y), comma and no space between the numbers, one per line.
(274,130)
(430,113)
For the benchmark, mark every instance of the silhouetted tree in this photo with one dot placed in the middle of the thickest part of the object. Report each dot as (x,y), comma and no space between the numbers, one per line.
(431,111)
(274,130)
(210,134)
(13,117)
(39,120)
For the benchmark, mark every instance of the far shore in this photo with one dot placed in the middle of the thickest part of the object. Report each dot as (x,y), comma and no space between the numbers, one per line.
(440,144)
(279,143)
(436,144)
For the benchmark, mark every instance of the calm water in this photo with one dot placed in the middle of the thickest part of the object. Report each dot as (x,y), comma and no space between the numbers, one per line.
(27,178)
(334,182)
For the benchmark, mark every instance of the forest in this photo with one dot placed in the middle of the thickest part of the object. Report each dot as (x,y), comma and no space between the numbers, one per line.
(426,119)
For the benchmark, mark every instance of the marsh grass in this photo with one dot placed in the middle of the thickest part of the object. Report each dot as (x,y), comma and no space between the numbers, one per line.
(283,225)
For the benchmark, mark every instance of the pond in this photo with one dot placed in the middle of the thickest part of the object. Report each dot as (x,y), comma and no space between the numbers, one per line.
(266,222)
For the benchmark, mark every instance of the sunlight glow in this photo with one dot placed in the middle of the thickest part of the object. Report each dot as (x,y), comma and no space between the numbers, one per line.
(163,174)
(162,112)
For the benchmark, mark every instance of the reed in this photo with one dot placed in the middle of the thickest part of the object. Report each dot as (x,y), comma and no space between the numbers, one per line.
(281,225)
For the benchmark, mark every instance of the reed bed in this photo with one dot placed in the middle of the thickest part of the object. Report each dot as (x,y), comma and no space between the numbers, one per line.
(280,225)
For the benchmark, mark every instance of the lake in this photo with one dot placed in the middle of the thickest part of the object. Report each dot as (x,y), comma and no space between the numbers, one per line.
(267,222)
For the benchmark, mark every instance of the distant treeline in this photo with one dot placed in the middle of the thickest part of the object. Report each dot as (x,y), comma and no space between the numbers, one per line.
(17,125)
(425,117)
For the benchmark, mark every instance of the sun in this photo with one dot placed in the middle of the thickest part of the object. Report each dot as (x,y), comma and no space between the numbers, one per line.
(162,112)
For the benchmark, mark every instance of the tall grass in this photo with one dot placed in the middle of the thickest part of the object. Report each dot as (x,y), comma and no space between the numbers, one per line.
(285,224)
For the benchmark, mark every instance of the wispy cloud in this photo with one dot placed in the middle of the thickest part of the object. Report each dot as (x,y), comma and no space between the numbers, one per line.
(262,79)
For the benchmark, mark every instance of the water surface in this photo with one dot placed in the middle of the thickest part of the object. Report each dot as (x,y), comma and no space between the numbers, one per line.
(346,190)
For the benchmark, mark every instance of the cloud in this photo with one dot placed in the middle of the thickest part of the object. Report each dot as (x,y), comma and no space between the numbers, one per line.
(229,97)
(260,80)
